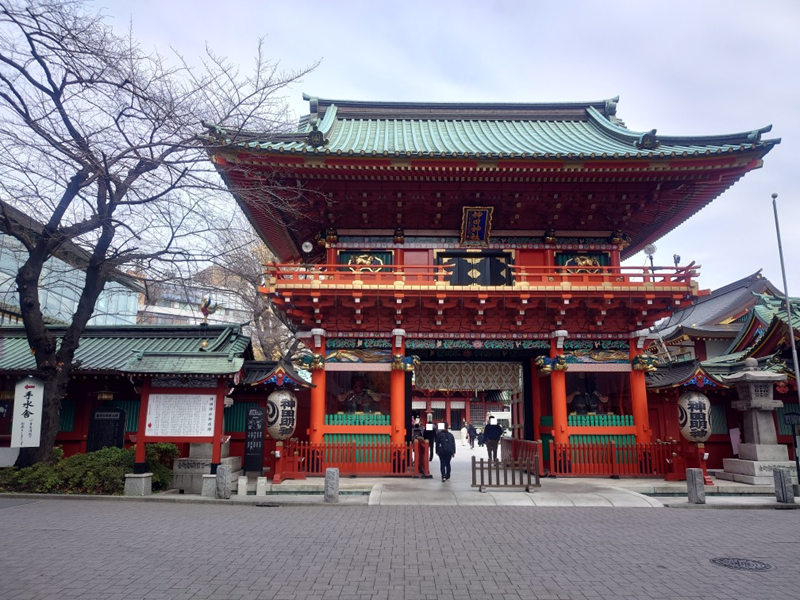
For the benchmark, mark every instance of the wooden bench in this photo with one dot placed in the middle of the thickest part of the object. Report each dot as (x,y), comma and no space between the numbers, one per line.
(520,473)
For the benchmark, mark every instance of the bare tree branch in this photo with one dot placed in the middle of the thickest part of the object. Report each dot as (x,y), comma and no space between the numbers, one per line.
(102,152)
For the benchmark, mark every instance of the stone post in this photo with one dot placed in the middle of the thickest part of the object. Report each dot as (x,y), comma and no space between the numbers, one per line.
(331,485)
(209,489)
(223,482)
(784,491)
(138,484)
(261,486)
(241,486)
(695,487)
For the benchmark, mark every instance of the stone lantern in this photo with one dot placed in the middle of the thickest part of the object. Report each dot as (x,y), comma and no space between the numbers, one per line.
(760,453)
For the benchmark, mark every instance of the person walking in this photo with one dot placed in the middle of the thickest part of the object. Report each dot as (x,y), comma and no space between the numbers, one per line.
(464,434)
(430,436)
(445,450)
(491,436)
(472,433)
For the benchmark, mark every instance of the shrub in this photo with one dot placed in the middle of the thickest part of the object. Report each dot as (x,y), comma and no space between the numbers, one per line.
(159,457)
(101,472)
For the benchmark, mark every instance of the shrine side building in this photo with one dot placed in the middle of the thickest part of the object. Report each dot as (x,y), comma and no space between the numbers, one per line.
(441,260)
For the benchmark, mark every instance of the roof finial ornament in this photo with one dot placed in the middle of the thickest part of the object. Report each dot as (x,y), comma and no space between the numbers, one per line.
(754,136)
(315,136)
(648,141)
(611,106)
(313,103)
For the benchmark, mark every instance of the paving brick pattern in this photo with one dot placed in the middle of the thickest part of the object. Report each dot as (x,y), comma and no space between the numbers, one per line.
(135,550)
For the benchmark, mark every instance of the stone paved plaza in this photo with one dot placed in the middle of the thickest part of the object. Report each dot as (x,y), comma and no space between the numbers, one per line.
(105,549)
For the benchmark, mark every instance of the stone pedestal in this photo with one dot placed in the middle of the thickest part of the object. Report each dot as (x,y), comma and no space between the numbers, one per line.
(261,486)
(138,485)
(768,452)
(756,463)
(753,472)
(187,473)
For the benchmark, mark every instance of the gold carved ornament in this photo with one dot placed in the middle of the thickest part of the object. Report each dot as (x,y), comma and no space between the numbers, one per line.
(583,264)
(369,263)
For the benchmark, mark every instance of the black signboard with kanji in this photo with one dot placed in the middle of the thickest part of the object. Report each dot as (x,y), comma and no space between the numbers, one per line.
(106,429)
(254,440)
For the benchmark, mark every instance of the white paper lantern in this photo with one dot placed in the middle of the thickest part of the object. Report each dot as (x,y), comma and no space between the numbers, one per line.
(281,414)
(694,416)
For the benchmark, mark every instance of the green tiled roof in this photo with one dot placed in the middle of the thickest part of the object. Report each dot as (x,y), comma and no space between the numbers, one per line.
(723,359)
(565,130)
(141,349)
(195,364)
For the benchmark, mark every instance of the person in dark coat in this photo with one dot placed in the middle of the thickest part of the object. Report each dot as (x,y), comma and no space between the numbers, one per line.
(430,435)
(473,433)
(445,450)
(491,436)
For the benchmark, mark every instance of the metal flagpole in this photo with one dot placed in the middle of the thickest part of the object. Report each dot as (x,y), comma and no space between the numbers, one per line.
(791,331)
(786,295)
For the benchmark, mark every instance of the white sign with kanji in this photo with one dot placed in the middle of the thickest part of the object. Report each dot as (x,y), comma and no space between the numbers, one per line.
(26,426)
(180,415)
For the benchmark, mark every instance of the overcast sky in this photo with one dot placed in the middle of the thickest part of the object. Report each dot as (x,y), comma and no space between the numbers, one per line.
(682,67)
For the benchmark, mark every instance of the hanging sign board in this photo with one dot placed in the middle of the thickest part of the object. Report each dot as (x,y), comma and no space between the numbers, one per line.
(180,415)
(254,440)
(26,426)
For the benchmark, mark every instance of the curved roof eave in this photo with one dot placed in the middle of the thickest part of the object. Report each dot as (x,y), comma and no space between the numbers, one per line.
(624,134)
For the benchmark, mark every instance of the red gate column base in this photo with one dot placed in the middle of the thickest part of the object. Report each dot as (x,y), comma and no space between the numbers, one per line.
(676,469)
(289,469)
(701,459)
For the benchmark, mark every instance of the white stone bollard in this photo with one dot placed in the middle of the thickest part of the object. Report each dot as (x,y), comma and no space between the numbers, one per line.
(261,486)
(331,485)
(241,486)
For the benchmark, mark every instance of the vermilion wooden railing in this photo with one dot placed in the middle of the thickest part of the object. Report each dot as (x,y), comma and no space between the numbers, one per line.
(612,459)
(333,274)
(373,460)
(522,450)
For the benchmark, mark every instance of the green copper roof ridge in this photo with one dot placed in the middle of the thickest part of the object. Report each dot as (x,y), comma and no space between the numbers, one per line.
(316,102)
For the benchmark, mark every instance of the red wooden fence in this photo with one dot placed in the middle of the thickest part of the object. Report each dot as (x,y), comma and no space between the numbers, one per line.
(524,450)
(612,459)
(368,460)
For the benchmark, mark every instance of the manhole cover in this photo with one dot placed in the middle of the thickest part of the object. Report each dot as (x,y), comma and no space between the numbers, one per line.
(741,564)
